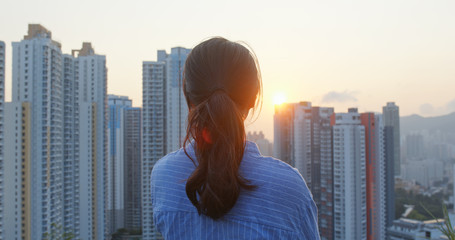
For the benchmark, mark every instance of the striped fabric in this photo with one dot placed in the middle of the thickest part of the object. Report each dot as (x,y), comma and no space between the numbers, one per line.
(281,207)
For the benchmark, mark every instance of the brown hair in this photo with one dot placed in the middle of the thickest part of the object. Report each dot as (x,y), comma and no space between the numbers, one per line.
(221,83)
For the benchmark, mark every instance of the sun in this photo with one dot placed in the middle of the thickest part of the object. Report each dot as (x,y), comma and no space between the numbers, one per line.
(279,98)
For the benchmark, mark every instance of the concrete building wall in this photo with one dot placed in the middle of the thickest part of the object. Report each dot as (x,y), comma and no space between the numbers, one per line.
(391,115)
(374,172)
(133,153)
(302,139)
(37,81)
(2,132)
(115,191)
(92,84)
(176,106)
(64,99)
(17,122)
(283,120)
(349,176)
(153,135)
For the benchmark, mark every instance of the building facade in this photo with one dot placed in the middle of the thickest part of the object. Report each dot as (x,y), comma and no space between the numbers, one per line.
(153,135)
(391,119)
(164,119)
(2,132)
(389,174)
(116,162)
(375,175)
(322,168)
(343,158)
(303,138)
(349,176)
(124,165)
(176,106)
(35,132)
(313,158)
(265,147)
(91,79)
(57,128)
(391,115)
(283,126)
(404,228)
(71,197)
(133,153)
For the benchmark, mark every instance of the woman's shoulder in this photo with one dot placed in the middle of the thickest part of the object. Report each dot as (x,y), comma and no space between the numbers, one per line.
(278,173)
(175,162)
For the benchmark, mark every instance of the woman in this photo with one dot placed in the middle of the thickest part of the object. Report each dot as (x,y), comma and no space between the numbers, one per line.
(218,186)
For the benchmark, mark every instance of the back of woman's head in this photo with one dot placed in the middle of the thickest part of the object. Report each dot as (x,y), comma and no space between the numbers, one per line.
(221,84)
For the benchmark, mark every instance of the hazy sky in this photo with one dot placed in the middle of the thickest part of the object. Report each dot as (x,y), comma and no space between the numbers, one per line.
(333,53)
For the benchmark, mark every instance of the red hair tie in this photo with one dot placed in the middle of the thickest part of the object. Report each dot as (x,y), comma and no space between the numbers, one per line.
(206,136)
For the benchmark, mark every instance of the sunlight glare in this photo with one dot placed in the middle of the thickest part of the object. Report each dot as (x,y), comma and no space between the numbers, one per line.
(279,98)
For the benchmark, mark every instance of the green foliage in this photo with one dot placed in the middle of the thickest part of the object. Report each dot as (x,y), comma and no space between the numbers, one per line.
(417,216)
(125,232)
(57,233)
(446,228)
(433,204)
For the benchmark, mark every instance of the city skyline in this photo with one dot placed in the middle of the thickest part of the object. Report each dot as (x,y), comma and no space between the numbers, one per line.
(346,159)
(333,54)
(67,137)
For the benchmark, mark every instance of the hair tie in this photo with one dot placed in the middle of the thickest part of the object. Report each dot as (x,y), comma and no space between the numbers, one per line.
(218,90)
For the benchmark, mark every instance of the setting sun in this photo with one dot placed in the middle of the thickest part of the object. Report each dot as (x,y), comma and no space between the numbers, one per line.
(279,98)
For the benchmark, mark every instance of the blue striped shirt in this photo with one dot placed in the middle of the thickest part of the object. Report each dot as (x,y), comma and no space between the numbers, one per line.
(281,207)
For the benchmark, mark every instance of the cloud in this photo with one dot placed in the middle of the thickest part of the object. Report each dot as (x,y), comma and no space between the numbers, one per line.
(345,96)
(426,109)
(451,106)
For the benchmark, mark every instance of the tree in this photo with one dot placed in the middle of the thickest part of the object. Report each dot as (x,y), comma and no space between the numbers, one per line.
(56,233)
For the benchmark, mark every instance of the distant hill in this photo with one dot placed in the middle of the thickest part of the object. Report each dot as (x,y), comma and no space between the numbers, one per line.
(445,123)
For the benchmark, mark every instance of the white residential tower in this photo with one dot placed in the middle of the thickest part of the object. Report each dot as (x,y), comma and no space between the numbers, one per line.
(164,119)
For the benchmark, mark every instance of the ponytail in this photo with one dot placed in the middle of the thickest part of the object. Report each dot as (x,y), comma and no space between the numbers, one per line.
(221,83)
(216,125)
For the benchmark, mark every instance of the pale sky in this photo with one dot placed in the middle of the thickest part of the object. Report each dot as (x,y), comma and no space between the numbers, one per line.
(333,53)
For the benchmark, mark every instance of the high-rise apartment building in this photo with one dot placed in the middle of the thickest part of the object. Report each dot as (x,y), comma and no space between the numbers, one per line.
(164,119)
(391,115)
(57,129)
(176,106)
(2,132)
(283,125)
(303,137)
(381,178)
(343,159)
(389,174)
(34,133)
(123,191)
(391,118)
(133,153)
(375,175)
(90,74)
(116,162)
(414,147)
(349,176)
(153,135)
(19,173)
(322,168)
(301,140)
(312,146)
(264,145)
(71,144)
